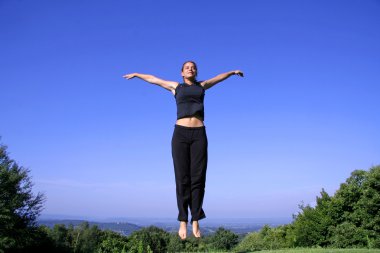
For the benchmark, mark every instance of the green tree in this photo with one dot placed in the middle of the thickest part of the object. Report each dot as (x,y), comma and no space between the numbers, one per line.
(266,239)
(310,228)
(175,243)
(347,235)
(223,239)
(61,237)
(251,242)
(19,207)
(149,239)
(350,218)
(86,239)
(367,210)
(345,200)
(274,238)
(113,243)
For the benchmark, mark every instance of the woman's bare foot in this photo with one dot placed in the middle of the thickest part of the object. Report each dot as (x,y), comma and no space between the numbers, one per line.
(196,230)
(182,230)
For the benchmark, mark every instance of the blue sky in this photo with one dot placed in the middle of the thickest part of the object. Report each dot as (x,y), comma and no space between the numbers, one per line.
(305,115)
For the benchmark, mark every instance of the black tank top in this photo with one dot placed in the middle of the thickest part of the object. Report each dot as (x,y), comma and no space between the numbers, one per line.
(189,99)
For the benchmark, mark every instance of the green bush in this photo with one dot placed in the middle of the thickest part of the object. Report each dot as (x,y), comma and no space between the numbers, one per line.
(150,239)
(347,235)
(251,242)
(223,239)
(113,243)
(274,238)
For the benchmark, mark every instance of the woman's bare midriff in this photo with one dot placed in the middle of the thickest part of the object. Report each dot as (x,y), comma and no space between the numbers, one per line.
(190,122)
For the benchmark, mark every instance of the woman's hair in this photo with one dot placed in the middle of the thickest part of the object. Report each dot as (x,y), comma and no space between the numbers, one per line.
(195,65)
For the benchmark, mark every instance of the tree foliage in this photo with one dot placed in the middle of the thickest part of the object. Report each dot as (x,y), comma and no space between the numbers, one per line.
(223,239)
(266,239)
(350,218)
(19,206)
(150,239)
(348,235)
(113,243)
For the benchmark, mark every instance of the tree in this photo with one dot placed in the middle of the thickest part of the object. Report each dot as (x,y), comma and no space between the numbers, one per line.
(310,227)
(350,218)
(86,238)
(274,238)
(347,235)
(224,239)
(347,197)
(113,243)
(251,242)
(149,239)
(61,237)
(367,210)
(19,207)
(266,239)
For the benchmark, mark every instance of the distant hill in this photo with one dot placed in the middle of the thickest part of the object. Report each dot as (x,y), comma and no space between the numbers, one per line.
(126,228)
(123,228)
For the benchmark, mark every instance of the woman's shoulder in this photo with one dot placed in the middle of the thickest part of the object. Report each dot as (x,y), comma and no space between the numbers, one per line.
(179,84)
(201,84)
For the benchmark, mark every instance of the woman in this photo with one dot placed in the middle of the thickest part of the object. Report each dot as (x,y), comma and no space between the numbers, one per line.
(189,141)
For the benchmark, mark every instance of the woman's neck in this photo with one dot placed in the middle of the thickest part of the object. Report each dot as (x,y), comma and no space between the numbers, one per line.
(189,81)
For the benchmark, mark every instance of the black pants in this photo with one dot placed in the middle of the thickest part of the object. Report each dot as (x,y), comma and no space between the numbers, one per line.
(189,151)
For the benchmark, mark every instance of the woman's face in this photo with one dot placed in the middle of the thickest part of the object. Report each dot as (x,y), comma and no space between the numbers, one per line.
(189,71)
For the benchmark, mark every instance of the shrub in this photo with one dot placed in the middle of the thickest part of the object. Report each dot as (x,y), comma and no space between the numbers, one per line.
(223,239)
(251,242)
(347,235)
(149,239)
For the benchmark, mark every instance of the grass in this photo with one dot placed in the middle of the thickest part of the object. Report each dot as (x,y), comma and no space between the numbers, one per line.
(310,250)
(306,250)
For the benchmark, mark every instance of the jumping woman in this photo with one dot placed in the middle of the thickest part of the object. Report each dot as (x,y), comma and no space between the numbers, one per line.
(189,141)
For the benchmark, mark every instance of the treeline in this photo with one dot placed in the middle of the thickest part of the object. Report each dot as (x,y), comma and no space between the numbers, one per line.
(89,239)
(348,219)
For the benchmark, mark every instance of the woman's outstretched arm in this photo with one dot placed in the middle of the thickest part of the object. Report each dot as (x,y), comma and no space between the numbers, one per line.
(169,85)
(211,82)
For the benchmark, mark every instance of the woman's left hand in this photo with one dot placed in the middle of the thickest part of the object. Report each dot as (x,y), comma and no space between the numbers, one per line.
(239,73)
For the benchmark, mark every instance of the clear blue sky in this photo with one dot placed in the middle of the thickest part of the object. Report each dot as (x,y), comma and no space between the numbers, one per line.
(306,114)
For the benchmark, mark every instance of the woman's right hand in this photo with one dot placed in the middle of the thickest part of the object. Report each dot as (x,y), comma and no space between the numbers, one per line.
(130,76)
